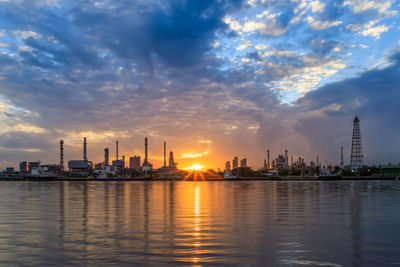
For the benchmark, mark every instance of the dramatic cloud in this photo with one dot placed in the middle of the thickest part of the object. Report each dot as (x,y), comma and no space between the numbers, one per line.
(213,78)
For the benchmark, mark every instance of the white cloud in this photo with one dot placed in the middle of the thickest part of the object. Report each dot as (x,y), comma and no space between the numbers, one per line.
(353,27)
(359,6)
(26,34)
(317,7)
(370,30)
(233,24)
(216,44)
(280,53)
(261,46)
(263,14)
(322,25)
(268,26)
(193,155)
(250,26)
(244,45)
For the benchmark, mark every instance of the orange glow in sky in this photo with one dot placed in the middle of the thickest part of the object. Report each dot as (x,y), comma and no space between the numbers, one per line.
(195,167)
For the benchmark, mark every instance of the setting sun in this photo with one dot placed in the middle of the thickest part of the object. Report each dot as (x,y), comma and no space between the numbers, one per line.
(195,167)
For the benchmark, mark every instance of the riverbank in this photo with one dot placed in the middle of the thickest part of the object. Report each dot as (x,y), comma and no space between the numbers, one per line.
(148,178)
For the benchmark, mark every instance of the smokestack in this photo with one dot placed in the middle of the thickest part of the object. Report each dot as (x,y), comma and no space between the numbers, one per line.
(106,151)
(341,157)
(291,161)
(286,158)
(165,155)
(317,161)
(84,149)
(62,156)
(123,161)
(145,149)
(116,151)
(268,158)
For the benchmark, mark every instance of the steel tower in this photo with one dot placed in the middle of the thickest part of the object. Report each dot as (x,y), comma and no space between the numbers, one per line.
(356,157)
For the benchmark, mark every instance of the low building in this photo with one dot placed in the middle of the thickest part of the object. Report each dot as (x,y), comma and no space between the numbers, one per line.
(80,167)
(99,166)
(147,167)
(34,168)
(119,164)
(9,171)
(48,170)
(390,170)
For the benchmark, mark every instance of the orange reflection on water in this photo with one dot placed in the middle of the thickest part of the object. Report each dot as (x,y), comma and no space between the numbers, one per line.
(195,175)
(196,232)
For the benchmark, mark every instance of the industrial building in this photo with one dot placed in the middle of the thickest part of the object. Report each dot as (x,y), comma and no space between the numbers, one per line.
(119,164)
(243,163)
(228,166)
(235,163)
(390,170)
(10,171)
(134,163)
(170,170)
(34,168)
(81,167)
(146,166)
(280,162)
(23,168)
(172,164)
(48,170)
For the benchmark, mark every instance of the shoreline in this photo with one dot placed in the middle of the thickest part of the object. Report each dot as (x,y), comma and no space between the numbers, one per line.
(149,179)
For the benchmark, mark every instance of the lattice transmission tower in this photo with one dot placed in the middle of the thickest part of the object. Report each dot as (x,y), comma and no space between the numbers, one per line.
(356,157)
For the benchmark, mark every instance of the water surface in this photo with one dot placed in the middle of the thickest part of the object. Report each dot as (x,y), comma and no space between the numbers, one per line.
(256,223)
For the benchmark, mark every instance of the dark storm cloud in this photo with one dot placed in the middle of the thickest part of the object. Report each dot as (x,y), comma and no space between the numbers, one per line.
(179,34)
(372,96)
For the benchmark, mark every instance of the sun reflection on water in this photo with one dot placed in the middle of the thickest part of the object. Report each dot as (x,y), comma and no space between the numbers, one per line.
(196,232)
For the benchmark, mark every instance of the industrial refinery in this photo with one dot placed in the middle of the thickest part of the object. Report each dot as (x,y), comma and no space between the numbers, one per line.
(281,165)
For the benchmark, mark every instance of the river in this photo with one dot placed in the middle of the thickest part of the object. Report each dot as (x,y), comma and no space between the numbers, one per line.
(243,223)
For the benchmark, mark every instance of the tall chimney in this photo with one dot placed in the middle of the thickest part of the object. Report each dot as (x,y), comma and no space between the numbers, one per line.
(291,161)
(123,161)
(165,155)
(145,149)
(341,157)
(268,159)
(106,151)
(116,152)
(317,161)
(286,158)
(61,156)
(84,149)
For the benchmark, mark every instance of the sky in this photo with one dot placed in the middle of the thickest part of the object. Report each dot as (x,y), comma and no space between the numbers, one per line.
(214,79)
